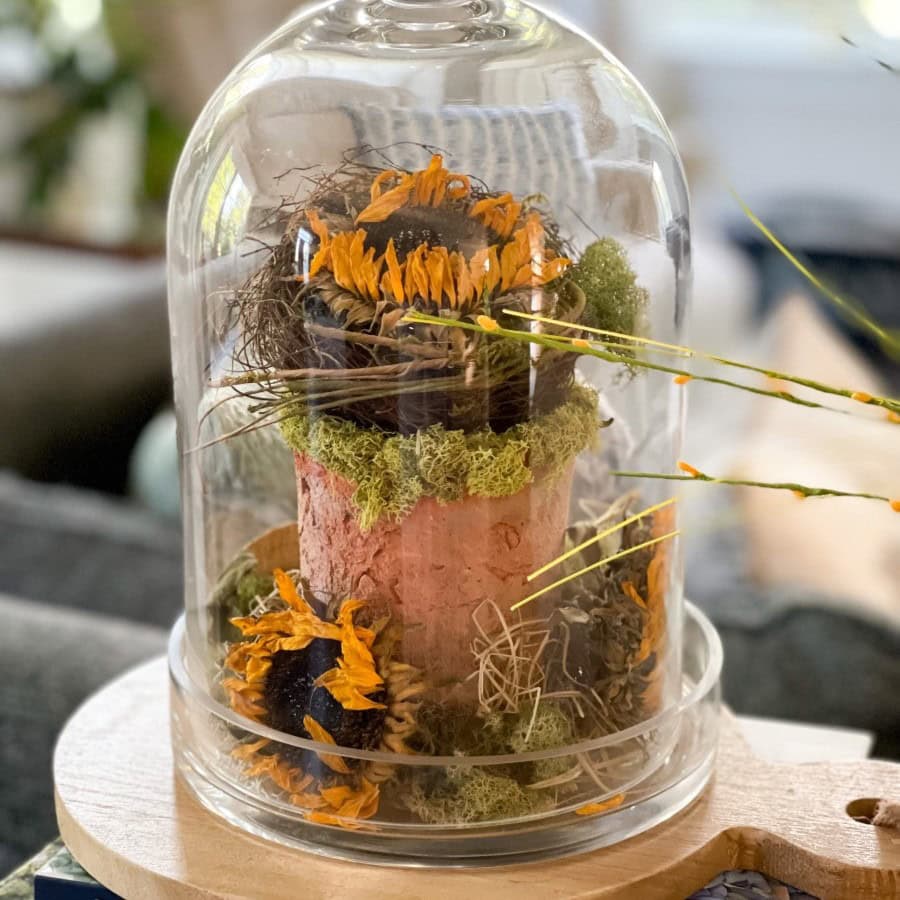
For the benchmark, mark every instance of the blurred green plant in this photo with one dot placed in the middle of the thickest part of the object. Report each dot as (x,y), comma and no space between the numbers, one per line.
(89,64)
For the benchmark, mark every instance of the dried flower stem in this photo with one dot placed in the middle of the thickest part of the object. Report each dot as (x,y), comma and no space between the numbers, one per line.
(596,565)
(562,345)
(890,342)
(798,489)
(660,346)
(601,536)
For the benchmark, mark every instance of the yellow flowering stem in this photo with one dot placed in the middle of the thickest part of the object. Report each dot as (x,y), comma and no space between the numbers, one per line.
(889,342)
(602,536)
(888,403)
(591,568)
(797,489)
(554,342)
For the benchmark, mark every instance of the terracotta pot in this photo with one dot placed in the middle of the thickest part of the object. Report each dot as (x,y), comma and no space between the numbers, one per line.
(436,566)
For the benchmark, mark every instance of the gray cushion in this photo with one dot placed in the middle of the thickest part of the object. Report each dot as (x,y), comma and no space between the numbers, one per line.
(67,547)
(101,320)
(790,654)
(53,659)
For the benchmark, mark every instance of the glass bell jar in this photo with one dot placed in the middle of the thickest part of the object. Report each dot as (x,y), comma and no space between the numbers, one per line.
(419,256)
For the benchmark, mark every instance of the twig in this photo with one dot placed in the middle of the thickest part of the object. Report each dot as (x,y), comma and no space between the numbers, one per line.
(376,340)
(398,369)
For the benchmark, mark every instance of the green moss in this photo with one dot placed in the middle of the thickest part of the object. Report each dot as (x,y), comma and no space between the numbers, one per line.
(443,462)
(382,468)
(550,729)
(391,473)
(498,465)
(233,595)
(614,300)
(473,795)
(462,794)
(251,586)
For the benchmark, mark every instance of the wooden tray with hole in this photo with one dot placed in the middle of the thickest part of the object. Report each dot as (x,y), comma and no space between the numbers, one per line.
(127,818)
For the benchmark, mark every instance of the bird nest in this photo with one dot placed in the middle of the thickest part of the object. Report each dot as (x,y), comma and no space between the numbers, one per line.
(323,320)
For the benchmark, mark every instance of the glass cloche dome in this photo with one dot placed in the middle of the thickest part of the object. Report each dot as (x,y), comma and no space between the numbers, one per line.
(417,253)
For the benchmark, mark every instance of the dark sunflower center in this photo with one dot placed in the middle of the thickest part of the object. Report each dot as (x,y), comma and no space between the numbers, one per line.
(444,226)
(291,694)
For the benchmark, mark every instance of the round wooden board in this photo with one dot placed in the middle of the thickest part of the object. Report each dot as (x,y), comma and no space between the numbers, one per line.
(129,820)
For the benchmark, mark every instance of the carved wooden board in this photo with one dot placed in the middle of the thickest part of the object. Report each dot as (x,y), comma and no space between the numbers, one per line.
(131,823)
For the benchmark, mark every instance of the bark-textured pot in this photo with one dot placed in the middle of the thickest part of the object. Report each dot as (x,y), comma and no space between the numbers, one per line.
(437,565)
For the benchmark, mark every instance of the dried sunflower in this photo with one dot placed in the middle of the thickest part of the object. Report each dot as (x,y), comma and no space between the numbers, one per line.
(325,681)
(323,320)
(432,206)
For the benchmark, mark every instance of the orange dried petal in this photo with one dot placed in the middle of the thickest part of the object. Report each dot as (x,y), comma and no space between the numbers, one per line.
(594,809)
(343,259)
(394,271)
(321,736)
(320,818)
(492,275)
(632,593)
(321,260)
(285,777)
(464,286)
(246,752)
(307,800)
(434,265)
(553,269)
(257,669)
(343,687)
(463,187)
(428,180)
(338,795)
(419,270)
(523,277)
(271,623)
(357,261)
(478,271)
(388,203)
(288,592)
(244,707)
(509,266)
(534,231)
(372,270)
(375,192)
(447,286)
(319,228)
(298,641)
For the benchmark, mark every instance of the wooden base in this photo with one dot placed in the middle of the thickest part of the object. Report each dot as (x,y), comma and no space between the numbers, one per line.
(129,820)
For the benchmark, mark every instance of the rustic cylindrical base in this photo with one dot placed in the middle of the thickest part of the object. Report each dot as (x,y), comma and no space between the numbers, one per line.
(436,566)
